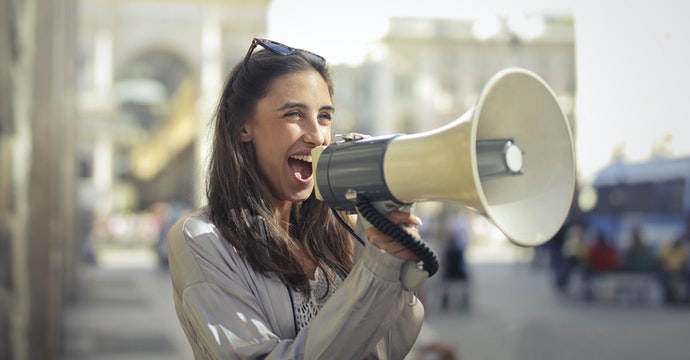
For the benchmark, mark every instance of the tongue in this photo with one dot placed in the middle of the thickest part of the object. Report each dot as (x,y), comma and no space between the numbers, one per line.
(301,169)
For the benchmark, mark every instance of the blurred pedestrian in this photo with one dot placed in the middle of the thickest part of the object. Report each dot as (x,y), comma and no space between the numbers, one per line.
(602,257)
(574,255)
(638,256)
(266,271)
(673,270)
(455,271)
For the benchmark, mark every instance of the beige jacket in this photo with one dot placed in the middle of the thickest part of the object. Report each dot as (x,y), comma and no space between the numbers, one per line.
(228,311)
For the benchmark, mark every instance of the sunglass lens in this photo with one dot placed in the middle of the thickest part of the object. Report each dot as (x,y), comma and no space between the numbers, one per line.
(277,48)
(313,56)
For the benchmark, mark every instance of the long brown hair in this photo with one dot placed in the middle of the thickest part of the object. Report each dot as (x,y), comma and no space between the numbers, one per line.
(236,201)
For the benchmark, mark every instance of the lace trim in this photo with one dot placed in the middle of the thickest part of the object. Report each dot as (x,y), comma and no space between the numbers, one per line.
(306,308)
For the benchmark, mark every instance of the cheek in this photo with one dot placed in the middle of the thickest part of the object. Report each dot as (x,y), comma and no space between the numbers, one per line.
(328,135)
(266,152)
(271,151)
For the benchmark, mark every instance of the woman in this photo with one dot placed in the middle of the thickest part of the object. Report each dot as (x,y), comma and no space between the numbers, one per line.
(265,270)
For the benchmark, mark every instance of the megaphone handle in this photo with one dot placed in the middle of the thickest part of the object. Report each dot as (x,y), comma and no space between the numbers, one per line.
(417,246)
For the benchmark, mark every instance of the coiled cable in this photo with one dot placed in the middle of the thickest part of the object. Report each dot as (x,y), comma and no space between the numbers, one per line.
(417,246)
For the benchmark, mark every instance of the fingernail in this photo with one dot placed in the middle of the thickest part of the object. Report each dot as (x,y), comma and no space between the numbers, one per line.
(419,221)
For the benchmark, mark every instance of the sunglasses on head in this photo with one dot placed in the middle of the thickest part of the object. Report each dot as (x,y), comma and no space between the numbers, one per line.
(280,49)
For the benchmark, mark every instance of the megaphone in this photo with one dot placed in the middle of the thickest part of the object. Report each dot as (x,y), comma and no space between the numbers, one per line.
(510,158)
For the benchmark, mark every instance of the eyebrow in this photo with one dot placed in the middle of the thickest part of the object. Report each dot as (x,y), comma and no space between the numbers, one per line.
(289,105)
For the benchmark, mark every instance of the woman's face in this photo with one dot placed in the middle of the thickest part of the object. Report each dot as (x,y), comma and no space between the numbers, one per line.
(294,117)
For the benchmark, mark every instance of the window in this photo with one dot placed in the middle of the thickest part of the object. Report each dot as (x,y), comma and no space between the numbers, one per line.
(664,197)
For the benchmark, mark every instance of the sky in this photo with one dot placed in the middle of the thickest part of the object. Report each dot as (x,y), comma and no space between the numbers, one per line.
(632,56)
(633,78)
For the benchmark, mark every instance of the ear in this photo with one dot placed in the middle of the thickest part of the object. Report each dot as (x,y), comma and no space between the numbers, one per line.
(245,134)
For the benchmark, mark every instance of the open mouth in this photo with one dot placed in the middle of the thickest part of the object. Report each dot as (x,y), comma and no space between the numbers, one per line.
(300,166)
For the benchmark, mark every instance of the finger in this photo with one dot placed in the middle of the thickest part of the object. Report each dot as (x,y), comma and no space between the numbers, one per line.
(401,217)
(397,250)
(406,255)
(389,245)
(409,228)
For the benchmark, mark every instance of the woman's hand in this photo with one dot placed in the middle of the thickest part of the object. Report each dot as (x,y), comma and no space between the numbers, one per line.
(409,222)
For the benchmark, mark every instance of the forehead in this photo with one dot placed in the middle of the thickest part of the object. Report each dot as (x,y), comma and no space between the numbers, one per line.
(299,85)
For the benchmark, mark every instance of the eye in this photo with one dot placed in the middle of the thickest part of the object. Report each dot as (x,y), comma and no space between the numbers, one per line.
(325,117)
(293,115)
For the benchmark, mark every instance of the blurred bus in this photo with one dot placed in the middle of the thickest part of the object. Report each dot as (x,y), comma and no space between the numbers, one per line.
(649,195)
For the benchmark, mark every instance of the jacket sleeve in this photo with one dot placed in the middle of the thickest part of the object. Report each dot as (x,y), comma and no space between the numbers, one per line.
(370,315)
(216,304)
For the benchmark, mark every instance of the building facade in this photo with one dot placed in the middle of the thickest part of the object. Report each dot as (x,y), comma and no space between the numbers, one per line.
(427,72)
(149,75)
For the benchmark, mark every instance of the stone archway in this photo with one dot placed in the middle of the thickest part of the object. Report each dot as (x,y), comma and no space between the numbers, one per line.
(145,84)
(156,95)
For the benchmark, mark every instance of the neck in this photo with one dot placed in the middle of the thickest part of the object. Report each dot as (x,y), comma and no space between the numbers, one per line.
(282,212)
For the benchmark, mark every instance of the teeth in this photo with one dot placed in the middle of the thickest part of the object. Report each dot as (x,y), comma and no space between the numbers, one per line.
(306,158)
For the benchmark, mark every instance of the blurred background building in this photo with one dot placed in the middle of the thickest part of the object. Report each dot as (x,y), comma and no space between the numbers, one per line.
(105,107)
(425,73)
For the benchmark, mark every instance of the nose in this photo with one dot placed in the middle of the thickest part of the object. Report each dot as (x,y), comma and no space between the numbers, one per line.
(315,133)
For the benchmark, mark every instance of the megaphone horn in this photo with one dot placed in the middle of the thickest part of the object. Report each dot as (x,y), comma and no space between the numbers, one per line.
(510,158)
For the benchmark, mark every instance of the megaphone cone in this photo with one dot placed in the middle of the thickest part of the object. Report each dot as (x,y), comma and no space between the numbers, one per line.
(510,158)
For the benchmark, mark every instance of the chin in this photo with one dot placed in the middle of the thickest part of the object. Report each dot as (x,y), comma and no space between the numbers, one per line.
(300,198)
(302,195)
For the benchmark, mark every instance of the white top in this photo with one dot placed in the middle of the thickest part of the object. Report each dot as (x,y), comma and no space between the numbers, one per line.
(306,308)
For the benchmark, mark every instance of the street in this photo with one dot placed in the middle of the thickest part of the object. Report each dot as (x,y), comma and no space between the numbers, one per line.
(516,315)
(126,312)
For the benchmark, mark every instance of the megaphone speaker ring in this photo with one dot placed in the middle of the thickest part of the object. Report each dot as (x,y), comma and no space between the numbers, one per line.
(529,208)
